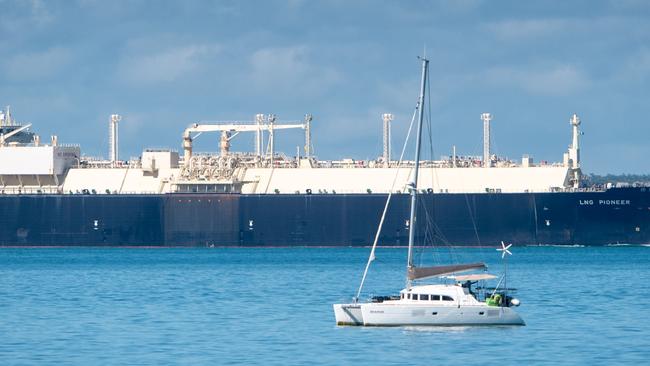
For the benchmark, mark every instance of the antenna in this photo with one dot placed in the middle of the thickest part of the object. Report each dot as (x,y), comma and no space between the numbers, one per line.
(5,117)
(574,150)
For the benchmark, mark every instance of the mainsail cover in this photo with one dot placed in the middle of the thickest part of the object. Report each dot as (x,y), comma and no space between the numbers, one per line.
(416,273)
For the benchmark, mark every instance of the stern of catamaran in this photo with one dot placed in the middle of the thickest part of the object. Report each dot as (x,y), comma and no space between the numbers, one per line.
(348,314)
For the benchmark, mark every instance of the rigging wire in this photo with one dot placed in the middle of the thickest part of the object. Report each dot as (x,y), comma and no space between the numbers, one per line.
(383,215)
(470,210)
(432,230)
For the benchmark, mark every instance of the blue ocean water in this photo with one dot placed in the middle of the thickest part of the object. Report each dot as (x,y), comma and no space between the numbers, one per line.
(86,306)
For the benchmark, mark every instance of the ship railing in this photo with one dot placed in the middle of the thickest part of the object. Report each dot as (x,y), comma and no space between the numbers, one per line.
(429,190)
(280,160)
(58,190)
(595,188)
(87,163)
(134,163)
(460,163)
(29,190)
(94,192)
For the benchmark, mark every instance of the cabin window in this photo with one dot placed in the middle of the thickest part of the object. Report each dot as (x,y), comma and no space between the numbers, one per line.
(435,297)
(401,296)
(408,296)
(424,297)
(415,296)
(447,298)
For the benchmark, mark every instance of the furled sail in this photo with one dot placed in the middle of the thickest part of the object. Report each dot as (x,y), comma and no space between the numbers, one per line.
(416,273)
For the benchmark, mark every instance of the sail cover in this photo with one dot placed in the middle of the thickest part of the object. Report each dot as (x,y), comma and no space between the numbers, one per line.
(473,277)
(416,273)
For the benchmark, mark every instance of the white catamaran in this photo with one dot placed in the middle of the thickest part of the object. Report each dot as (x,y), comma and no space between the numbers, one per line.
(438,304)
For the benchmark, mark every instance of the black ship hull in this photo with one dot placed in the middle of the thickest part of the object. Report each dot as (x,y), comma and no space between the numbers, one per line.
(615,216)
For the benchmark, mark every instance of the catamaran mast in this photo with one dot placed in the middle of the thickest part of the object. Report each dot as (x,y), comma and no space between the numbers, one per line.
(413,184)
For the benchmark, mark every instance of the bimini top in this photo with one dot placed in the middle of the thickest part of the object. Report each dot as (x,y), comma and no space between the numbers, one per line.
(415,273)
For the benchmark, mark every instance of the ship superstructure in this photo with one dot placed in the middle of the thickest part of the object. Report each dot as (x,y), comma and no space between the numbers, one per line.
(269,172)
(27,164)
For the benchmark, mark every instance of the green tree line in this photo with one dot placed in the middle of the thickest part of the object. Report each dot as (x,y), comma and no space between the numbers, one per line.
(617,178)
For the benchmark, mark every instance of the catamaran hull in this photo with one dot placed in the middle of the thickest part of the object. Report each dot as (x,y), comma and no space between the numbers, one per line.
(380,314)
(348,314)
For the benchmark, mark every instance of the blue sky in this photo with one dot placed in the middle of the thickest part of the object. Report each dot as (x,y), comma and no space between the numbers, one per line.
(67,65)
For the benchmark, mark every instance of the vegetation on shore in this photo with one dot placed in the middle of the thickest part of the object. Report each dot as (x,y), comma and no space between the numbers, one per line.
(617,178)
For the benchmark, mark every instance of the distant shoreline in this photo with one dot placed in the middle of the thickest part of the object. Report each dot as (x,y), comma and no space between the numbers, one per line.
(616,178)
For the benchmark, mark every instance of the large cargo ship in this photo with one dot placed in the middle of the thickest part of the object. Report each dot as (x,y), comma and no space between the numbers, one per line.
(51,195)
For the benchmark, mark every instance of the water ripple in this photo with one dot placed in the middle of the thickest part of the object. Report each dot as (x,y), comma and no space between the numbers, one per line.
(85,306)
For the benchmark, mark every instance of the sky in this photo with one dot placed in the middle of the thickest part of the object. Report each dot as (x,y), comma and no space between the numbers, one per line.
(66,66)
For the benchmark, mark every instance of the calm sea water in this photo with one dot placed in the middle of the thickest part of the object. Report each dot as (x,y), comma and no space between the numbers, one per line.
(89,306)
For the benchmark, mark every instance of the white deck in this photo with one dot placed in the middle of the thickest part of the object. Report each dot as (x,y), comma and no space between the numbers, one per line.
(330,180)
(120,180)
(380,180)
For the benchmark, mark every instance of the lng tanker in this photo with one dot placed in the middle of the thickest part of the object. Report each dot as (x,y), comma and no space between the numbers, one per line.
(52,195)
